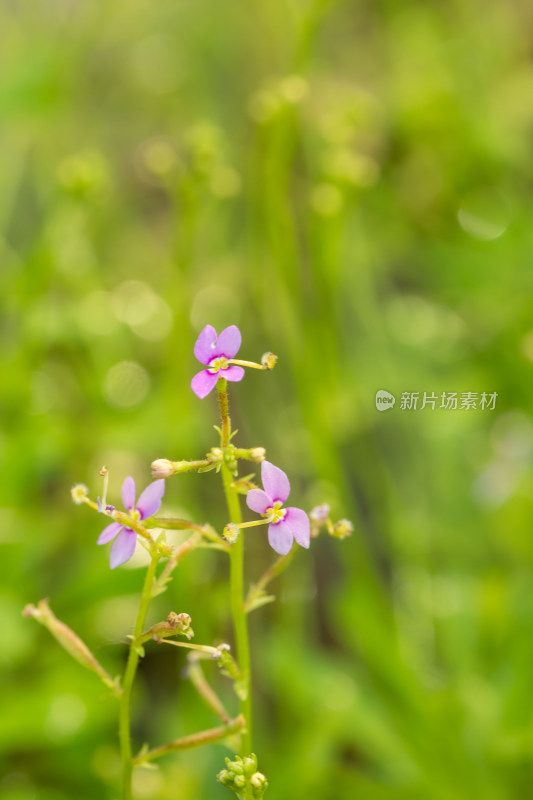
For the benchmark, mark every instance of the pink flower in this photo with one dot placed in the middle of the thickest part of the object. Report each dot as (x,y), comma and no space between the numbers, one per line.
(216,352)
(286,524)
(147,505)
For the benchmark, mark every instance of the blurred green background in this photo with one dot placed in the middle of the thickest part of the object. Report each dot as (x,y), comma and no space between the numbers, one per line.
(350,183)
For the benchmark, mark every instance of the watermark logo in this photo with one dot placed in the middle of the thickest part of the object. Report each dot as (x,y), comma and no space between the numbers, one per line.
(448,401)
(384,400)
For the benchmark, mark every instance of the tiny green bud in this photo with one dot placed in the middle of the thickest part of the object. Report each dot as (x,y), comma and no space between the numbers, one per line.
(79,493)
(259,784)
(268,360)
(249,764)
(342,529)
(224,777)
(239,781)
(258,454)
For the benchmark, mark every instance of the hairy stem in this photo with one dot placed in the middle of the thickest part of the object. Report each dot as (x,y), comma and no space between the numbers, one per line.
(236,573)
(129,677)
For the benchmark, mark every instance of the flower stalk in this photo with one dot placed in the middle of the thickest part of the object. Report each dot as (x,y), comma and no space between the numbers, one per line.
(129,677)
(236,571)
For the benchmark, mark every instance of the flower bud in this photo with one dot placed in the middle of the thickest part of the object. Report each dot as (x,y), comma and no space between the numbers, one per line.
(162,468)
(320,513)
(258,454)
(249,764)
(79,493)
(268,360)
(224,777)
(342,529)
(215,455)
(241,773)
(259,784)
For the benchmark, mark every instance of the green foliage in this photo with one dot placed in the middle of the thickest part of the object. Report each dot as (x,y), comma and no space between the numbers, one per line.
(349,183)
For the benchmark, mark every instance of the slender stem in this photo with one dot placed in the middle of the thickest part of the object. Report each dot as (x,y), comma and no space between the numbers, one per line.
(193,740)
(241,363)
(236,573)
(279,565)
(177,556)
(129,677)
(196,676)
(202,648)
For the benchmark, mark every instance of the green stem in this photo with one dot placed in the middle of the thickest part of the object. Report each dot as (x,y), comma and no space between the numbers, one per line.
(193,740)
(129,677)
(272,572)
(236,573)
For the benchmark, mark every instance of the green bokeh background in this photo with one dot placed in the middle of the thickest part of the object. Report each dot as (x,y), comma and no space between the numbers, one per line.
(350,183)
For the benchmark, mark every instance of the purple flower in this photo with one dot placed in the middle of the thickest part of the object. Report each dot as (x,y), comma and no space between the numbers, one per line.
(147,505)
(286,524)
(215,352)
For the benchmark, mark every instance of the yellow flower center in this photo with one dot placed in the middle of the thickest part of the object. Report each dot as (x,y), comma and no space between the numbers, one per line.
(276,513)
(135,515)
(217,364)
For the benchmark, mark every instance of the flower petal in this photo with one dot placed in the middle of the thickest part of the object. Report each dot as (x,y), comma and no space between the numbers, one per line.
(298,522)
(109,533)
(275,482)
(258,501)
(229,342)
(128,493)
(150,500)
(232,373)
(122,548)
(203,382)
(204,349)
(280,537)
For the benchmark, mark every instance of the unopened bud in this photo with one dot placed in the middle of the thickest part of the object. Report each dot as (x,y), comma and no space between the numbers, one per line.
(241,773)
(224,777)
(258,454)
(342,529)
(249,764)
(268,360)
(320,513)
(79,493)
(231,532)
(162,468)
(215,455)
(259,784)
